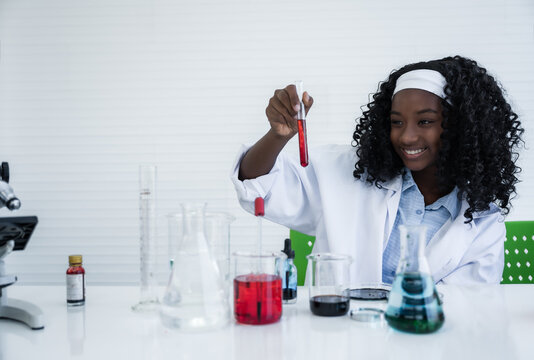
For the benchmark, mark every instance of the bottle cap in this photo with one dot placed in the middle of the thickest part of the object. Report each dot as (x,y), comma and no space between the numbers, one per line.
(287,249)
(258,207)
(75,259)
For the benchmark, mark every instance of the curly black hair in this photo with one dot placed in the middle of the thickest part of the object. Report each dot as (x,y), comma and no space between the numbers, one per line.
(480,136)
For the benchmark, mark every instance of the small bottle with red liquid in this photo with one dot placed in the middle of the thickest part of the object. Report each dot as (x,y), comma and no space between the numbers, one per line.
(75,281)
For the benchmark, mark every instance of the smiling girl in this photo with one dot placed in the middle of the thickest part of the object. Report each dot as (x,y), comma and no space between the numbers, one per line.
(436,147)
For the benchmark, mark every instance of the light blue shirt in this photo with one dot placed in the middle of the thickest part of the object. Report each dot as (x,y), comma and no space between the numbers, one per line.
(412,211)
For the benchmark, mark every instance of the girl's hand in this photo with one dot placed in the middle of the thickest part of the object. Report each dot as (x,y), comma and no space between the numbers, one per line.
(283,109)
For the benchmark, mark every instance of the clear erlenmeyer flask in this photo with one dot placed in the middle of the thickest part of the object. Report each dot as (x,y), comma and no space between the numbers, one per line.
(413,304)
(217,231)
(195,298)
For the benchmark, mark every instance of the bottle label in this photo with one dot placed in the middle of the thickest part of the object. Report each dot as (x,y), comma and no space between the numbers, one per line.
(75,285)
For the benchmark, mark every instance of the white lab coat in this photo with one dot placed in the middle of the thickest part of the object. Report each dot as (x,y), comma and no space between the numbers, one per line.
(350,216)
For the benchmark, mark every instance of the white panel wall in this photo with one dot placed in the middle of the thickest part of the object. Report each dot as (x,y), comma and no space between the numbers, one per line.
(90,89)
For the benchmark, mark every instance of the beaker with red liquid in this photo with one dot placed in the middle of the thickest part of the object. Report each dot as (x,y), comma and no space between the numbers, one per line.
(258,287)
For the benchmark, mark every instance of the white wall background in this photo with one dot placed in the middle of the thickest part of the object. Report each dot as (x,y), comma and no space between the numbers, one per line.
(90,89)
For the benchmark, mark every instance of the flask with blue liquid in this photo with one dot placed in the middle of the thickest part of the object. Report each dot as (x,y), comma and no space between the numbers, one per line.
(414,305)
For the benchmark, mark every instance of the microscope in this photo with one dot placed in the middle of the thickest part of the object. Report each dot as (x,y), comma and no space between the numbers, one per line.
(15,233)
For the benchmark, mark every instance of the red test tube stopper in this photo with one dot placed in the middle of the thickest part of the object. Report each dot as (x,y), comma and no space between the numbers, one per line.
(258,207)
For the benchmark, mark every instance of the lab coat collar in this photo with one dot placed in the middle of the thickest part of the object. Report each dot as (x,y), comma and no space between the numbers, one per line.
(394,184)
(453,238)
(449,201)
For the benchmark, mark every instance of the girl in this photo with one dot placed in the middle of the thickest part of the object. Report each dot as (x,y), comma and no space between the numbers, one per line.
(435,146)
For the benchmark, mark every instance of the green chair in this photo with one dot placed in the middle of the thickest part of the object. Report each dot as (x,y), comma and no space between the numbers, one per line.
(518,253)
(303,245)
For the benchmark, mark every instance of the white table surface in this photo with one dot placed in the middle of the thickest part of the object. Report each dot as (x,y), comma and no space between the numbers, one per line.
(482,322)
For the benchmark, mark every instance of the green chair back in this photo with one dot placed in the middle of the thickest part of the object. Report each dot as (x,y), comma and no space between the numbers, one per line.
(518,253)
(303,245)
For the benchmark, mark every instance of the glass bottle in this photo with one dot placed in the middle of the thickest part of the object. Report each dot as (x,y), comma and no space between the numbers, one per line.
(195,298)
(75,281)
(414,304)
(289,275)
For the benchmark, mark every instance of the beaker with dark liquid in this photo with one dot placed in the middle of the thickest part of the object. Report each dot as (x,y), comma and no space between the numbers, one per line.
(414,305)
(329,284)
(258,287)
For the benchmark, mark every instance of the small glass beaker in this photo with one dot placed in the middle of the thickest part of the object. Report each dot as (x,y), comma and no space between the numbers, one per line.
(329,283)
(258,287)
(414,304)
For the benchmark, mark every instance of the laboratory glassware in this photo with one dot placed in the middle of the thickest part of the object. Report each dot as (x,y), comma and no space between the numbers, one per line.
(329,283)
(258,287)
(195,298)
(414,305)
(371,316)
(218,235)
(148,300)
(259,212)
(370,291)
(217,226)
(301,123)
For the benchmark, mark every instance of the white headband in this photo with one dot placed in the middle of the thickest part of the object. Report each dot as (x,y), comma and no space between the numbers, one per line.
(429,80)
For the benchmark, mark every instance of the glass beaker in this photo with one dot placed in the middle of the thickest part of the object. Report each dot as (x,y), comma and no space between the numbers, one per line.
(329,283)
(195,297)
(218,234)
(258,287)
(413,304)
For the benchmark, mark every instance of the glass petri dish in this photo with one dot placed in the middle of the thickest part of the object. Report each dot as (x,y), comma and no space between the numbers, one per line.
(375,291)
(370,316)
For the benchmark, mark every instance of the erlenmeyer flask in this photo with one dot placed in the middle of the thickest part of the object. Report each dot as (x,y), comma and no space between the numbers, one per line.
(413,304)
(217,231)
(195,298)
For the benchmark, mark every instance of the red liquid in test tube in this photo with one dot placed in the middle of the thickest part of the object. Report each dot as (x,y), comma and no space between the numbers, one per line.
(303,143)
(301,121)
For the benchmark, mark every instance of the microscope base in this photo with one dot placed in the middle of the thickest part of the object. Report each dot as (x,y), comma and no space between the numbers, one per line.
(23,311)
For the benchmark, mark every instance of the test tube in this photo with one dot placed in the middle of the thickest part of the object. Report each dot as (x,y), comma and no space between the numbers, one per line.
(259,212)
(301,122)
